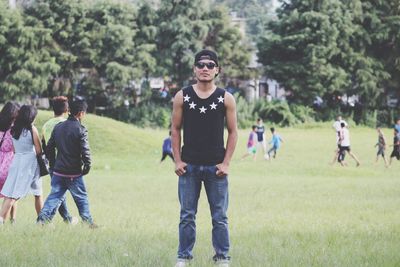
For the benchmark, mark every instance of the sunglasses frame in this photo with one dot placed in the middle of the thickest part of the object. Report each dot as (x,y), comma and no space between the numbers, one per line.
(209,65)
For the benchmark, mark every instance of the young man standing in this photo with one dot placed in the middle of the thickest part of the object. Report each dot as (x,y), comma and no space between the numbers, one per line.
(60,109)
(201,110)
(72,162)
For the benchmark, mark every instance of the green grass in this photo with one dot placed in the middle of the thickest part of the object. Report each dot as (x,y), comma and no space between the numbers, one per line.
(294,211)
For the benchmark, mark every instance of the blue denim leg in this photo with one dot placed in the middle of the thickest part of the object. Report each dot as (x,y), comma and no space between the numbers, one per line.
(189,191)
(78,191)
(58,189)
(218,198)
(62,208)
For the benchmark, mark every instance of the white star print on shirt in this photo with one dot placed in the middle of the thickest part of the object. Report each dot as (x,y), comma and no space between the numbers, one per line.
(186,98)
(220,99)
(213,106)
(192,105)
(202,109)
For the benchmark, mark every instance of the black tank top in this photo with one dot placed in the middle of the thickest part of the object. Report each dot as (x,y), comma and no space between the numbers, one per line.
(203,127)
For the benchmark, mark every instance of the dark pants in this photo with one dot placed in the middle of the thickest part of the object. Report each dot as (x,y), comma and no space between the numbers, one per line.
(165,154)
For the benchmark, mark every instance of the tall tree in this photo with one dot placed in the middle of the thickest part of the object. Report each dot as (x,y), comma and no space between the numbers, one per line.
(230,45)
(181,32)
(26,63)
(319,47)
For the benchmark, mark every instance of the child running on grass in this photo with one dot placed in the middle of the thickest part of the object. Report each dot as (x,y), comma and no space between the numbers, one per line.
(381,146)
(252,143)
(276,143)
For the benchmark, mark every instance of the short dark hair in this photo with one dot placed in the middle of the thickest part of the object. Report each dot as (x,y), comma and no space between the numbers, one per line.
(78,106)
(259,119)
(342,124)
(272,129)
(254,127)
(60,105)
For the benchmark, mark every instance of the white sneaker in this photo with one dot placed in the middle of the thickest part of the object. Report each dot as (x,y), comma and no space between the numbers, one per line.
(182,263)
(74,221)
(222,263)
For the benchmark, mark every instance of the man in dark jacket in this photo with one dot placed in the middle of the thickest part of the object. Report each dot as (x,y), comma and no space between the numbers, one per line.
(70,138)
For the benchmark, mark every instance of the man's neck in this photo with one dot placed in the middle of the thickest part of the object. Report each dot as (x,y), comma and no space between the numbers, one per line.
(205,86)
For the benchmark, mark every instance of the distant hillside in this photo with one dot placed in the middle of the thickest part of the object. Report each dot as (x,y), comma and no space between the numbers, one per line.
(108,136)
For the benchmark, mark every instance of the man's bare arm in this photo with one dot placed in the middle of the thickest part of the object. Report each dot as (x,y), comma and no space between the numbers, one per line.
(231,122)
(176,125)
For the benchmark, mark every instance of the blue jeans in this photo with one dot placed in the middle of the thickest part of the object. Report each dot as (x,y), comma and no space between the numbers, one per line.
(217,194)
(59,185)
(62,208)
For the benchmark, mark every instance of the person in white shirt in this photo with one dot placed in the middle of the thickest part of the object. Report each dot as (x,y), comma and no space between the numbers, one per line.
(336,127)
(344,141)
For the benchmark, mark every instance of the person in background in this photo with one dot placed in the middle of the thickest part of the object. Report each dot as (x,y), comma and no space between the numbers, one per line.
(60,111)
(73,161)
(23,175)
(276,143)
(167,148)
(336,127)
(7,117)
(397,127)
(344,141)
(396,146)
(252,143)
(381,146)
(261,136)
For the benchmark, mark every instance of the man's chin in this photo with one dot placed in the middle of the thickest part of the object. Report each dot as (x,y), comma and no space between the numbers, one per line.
(205,80)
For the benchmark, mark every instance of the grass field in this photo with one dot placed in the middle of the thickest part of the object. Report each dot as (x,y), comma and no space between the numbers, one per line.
(296,210)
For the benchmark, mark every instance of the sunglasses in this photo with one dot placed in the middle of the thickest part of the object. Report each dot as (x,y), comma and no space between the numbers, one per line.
(201,65)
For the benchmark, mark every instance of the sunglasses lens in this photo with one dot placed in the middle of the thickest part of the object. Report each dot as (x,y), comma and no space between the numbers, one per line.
(210,66)
(201,65)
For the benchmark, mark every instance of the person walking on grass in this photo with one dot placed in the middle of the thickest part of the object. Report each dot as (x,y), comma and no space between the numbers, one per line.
(70,138)
(167,148)
(23,175)
(344,141)
(252,143)
(337,127)
(381,146)
(7,117)
(60,110)
(396,146)
(276,143)
(201,110)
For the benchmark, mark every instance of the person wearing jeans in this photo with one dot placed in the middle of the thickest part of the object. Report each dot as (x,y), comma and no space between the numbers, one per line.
(60,111)
(73,161)
(59,186)
(202,110)
(217,193)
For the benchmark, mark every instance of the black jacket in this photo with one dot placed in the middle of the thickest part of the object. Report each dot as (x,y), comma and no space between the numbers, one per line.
(70,138)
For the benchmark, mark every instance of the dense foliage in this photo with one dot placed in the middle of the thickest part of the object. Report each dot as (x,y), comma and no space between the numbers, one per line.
(99,48)
(332,48)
